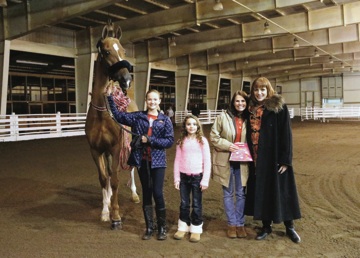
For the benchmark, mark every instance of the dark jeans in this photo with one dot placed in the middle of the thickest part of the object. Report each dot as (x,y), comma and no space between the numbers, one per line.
(152,187)
(188,185)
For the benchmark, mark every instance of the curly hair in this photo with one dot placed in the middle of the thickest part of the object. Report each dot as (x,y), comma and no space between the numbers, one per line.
(184,133)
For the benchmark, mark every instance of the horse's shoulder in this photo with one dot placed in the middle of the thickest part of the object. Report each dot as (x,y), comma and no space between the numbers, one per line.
(132,107)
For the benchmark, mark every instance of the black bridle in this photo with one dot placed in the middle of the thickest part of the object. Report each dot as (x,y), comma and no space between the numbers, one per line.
(115,67)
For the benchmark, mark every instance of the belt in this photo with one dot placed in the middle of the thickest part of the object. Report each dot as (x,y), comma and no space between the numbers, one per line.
(190,174)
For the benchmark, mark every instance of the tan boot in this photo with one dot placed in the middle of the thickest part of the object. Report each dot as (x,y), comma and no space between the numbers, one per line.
(195,237)
(183,228)
(231,231)
(179,235)
(195,231)
(240,232)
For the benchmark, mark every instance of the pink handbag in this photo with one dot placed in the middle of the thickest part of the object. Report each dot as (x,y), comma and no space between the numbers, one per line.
(242,154)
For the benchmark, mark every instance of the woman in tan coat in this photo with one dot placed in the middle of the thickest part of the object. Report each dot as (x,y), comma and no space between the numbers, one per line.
(229,128)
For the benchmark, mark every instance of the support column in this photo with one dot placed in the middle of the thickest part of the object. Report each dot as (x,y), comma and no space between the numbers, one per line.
(141,75)
(213,87)
(84,73)
(4,74)
(84,69)
(182,82)
(236,84)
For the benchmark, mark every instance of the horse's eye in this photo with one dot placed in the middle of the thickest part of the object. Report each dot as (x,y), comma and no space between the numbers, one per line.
(107,53)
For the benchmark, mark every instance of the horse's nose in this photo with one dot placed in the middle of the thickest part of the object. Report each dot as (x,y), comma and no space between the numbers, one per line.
(125,83)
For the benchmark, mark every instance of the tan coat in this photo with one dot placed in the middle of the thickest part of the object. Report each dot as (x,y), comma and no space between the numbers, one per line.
(222,135)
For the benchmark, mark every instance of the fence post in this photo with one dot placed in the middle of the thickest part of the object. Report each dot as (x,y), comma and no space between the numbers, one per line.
(58,123)
(14,126)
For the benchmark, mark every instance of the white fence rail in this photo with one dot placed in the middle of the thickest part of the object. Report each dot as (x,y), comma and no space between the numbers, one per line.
(38,126)
(205,117)
(325,114)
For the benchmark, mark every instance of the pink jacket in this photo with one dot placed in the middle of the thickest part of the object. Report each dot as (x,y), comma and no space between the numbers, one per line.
(193,158)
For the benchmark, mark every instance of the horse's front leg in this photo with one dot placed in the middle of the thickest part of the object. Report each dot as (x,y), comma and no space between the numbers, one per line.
(104,183)
(106,193)
(114,183)
(131,183)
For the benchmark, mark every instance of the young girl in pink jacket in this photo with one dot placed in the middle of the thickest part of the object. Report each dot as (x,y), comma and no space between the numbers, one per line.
(192,168)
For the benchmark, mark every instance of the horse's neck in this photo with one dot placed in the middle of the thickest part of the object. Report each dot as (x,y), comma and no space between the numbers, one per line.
(101,80)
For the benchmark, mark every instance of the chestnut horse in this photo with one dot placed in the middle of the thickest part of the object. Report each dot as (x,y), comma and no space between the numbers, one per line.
(107,139)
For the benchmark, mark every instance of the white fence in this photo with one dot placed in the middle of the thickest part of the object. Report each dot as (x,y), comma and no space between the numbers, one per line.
(208,116)
(38,126)
(325,114)
(205,117)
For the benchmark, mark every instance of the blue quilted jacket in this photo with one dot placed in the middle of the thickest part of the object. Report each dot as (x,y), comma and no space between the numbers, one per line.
(161,139)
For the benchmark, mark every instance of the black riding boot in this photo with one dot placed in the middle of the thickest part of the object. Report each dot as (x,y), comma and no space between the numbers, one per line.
(290,231)
(149,221)
(265,230)
(161,222)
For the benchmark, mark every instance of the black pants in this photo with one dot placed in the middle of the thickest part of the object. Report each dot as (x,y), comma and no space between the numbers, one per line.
(287,223)
(152,184)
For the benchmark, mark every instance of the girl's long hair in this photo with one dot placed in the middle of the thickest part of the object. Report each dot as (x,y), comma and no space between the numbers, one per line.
(231,108)
(184,133)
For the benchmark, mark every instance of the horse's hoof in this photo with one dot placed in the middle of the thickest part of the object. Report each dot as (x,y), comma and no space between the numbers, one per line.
(105,217)
(135,198)
(116,225)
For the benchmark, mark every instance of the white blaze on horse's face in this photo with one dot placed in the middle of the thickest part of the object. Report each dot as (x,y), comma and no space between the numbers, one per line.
(116,47)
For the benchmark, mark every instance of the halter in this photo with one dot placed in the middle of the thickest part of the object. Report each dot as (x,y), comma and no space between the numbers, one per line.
(101,109)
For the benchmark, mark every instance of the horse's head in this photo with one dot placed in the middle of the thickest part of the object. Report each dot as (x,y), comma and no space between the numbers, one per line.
(113,55)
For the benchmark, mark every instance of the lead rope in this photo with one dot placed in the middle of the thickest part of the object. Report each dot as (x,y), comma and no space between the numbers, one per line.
(122,102)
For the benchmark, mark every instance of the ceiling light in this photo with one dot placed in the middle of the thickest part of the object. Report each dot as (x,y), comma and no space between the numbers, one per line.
(296,43)
(68,66)
(197,80)
(172,42)
(3,3)
(266,28)
(31,62)
(316,53)
(246,61)
(331,61)
(216,54)
(218,6)
(160,76)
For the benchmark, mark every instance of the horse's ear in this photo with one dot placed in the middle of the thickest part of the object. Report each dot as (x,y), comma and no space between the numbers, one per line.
(104,32)
(118,33)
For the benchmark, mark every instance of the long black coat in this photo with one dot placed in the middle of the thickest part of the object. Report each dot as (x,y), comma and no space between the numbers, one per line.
(270,195)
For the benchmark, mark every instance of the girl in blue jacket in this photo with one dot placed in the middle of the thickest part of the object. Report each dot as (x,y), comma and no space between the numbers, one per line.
(157,134)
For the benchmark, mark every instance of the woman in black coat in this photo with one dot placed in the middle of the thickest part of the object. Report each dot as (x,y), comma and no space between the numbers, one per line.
(271,190)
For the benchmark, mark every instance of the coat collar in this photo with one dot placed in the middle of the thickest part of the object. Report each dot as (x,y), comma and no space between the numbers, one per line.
(274,103)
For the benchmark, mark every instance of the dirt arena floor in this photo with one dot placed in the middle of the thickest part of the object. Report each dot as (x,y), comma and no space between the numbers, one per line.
(50,203)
